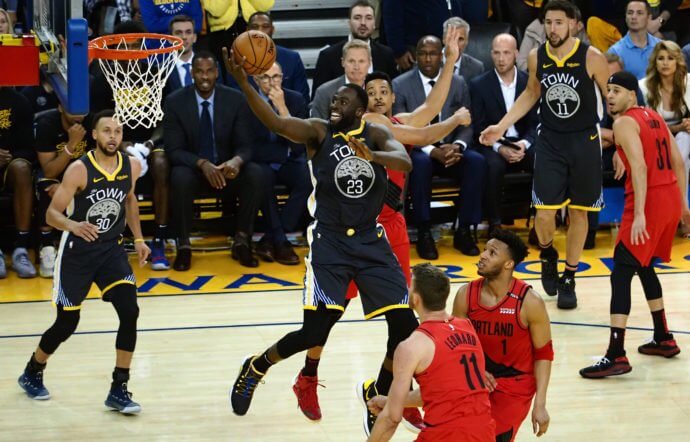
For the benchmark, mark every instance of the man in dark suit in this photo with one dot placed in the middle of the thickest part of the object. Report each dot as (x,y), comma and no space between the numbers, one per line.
(493,93)
(467,66)
(362,21)
(282,162)
(207,139)
(453,157)
(181,26)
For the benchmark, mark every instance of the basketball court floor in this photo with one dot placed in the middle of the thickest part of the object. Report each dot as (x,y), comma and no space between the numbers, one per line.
(196,327)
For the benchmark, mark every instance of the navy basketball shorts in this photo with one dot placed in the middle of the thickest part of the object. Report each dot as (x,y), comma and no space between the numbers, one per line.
(568,170)
(80,264)
(340,255)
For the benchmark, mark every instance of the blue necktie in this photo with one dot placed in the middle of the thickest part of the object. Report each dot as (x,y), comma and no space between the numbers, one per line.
(206,148)
(187,74)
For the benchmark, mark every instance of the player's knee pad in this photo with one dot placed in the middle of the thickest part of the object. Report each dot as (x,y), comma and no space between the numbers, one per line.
(650,283)
(334,317)
(65,324)
(124,299)
(401,324)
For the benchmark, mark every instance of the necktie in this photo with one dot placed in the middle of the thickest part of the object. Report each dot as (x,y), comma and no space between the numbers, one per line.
(187,74)
(435,120)
(206,148)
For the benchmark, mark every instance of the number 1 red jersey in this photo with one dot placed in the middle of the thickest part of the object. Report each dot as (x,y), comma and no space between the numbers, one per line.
(505,339)
(656,147)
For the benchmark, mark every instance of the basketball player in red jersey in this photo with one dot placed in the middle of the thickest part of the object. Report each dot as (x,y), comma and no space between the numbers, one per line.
(445,357)
(655,172)
(514,329)
(410,129)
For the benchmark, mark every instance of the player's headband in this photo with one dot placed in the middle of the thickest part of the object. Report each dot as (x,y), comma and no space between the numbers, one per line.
(624,79)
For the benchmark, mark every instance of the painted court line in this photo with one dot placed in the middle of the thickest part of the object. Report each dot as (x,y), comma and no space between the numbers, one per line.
(278,324)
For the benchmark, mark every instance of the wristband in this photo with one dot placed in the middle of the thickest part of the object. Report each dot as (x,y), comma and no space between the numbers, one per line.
(136,240)
(64,149)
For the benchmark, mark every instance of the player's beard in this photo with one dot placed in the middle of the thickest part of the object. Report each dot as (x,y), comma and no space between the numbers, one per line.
(106,152)
(558,43)
(489,274)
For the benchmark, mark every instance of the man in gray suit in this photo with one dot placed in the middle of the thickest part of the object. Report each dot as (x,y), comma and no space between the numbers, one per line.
(453,157)
(467,66)
(356,61)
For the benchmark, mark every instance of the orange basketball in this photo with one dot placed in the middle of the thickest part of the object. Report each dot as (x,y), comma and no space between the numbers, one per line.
(257,48)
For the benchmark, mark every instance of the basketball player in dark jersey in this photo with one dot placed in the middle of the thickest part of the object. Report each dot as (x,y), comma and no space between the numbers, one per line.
(97,193)
(514,329)
(564,74)
(445,357)
(655,200)
(347,159)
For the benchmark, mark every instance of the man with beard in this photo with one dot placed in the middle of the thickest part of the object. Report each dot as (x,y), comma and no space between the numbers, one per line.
(514,330)
(347,159)
(98,193)
(563,75)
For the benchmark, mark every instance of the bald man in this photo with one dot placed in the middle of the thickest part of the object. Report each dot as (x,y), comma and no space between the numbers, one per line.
(493,92)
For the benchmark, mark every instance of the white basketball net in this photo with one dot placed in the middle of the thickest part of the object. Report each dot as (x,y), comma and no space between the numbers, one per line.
(138,83)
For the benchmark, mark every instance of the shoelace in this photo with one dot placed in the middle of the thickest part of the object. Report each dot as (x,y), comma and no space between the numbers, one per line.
(247,384)
(23,259)
(602,361)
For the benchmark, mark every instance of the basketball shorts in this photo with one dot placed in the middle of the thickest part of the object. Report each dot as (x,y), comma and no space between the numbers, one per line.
(396,231)
(474,429)
(511,402)
(567,170)
(80,263)
(662,214)
(338,256)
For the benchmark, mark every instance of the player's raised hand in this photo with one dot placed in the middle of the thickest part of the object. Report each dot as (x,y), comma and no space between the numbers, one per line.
(451,46)
(540,420)
(376,404)
(360,149)
(638,233)
(235,69)
(143,252)
(491,134)
(84,230)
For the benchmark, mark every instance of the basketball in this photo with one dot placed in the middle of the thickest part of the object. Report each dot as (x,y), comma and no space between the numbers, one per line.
(257,48)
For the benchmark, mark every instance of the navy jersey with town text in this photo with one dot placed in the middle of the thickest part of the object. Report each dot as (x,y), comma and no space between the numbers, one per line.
(569,99)
(102,201)
(348,190)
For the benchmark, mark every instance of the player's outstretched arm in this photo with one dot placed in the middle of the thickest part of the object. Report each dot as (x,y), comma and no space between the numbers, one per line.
(391,153)
(73,181)
(132,215)
(678,167)
(460,302)
(537,320)
(306,132)
(421,136)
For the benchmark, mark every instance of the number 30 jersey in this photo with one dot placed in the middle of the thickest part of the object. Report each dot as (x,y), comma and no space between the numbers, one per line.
(102,201)
(505,339)
(570,101)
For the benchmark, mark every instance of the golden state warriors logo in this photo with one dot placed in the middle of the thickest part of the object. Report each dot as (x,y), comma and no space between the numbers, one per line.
(561,94)
(354,177)
(106,208)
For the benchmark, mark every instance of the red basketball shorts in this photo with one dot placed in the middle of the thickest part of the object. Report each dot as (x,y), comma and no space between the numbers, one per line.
(511,402)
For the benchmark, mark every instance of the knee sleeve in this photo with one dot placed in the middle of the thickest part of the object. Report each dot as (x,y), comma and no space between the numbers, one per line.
(124,299)
(401,324)
(621,278)
(314,332)
(650,283)
(65,324)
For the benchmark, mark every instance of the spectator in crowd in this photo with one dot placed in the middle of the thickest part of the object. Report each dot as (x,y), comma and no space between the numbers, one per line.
(453,157)
(535,36)
(666,89)
(678,22)
(467,66)
(636,47)
(207,138)
(6,23)
(16,157)
(362,21)
(158,15)
(283,162)
(356,61)
(294,74)
(524,12)
(406,21)
(493,93)
(143,143)
(41,97)
(182,26)
(226,19)
(60,139)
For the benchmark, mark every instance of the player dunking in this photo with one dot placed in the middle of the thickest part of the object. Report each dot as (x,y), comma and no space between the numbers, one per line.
(654,172)
(98,192)
(445,357)
(346,158)
(563,74)
(514,329)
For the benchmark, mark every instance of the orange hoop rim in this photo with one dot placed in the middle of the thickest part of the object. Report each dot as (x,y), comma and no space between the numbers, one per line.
(99,46)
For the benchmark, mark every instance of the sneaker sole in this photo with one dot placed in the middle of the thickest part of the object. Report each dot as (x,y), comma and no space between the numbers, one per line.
(313,421)
(36,398)
(664,354)
(159,267)
(608,374)
(233,385)
(359,390)
(125,410)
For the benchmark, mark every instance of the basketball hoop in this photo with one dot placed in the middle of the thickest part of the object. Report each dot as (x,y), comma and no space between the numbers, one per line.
(137,67)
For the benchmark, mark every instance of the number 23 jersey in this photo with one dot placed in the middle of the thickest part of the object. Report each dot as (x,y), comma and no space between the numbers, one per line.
(102,201)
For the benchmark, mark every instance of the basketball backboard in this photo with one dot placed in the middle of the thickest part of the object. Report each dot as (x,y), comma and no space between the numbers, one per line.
(68,64)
